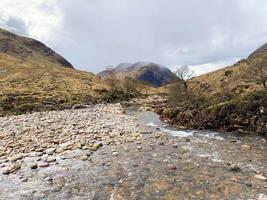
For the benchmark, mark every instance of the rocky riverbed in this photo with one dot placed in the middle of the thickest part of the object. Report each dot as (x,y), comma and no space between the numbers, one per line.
(103,152)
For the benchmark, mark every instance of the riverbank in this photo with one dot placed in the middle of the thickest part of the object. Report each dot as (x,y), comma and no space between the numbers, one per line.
(106,152)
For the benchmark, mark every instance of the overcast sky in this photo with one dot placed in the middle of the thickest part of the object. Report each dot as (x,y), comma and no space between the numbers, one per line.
(92,34)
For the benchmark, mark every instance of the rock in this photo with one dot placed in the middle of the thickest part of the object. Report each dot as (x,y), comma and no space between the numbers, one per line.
(43,164)
(139,147)
(96,146)
(11,169)
(39,153)
(245,147)
(84,158)
(51,159)
(235,168)
(6,171)
(33,166)
(173,167)
(175,145)
(50,151)
(157,136)
(24,180)
(115,153)
(49,179)
(15,158)
(260,177)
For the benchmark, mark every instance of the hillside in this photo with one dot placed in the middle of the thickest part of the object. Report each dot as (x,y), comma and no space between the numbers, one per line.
(28,49)
(151,73)
(229,99)
(34,78)
(233,80)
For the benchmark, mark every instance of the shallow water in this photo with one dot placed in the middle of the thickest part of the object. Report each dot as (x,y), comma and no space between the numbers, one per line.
(162,163)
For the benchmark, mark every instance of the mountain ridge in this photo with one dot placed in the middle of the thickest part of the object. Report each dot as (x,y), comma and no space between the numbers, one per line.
(29,49)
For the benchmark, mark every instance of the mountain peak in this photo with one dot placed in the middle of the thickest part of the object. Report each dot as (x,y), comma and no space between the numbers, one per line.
(151,73)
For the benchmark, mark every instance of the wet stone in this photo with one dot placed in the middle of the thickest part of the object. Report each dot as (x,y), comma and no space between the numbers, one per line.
(33,165)
(43,164)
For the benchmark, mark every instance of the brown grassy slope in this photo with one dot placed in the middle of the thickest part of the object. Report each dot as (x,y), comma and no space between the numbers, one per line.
(29,85)
(29,49)
(229,81)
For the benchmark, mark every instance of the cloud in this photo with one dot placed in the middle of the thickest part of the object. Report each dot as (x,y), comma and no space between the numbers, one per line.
(40,19)
(93,34)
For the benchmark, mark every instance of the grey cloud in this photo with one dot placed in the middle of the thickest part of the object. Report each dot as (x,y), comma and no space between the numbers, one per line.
(98,33)
(15,24)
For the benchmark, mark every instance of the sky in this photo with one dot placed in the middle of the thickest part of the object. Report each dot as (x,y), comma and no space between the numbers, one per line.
(93,34)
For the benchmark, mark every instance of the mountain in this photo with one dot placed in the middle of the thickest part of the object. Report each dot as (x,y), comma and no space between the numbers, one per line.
(262,51)
(28,49)
(151,73)
(35,78)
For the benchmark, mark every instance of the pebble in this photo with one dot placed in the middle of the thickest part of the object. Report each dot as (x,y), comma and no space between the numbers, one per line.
(245,147)
(43,164)
(84,158)
(24,180)
(235,168)
(115,153)
(50,151)
(15,158)
(260,177)
(33,165)
(49,179)
(39,153)
(12,169)
(139,147)
(51,159)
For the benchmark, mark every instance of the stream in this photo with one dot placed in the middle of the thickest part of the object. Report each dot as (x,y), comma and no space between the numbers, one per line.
(142,158)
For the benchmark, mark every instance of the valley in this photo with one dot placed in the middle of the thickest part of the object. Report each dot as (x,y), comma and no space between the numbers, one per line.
(135,131)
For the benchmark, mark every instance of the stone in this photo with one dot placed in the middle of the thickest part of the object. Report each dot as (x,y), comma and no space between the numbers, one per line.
(15,158)
(50,151)
(51,159)
(24,180)
(175,145)
(49,179)
(235,168)
(260,177)
(6,171)
(157,136)
(39,153)
(33,165)
(84,158)
(43,164)
(139,147)
(96,146)
(115,153)
(245,147)
(11,169)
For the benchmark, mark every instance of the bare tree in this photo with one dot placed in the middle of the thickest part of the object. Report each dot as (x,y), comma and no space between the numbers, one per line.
(112,83)
(184,73)
(174,89)
(129,85)
(257,72)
